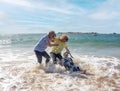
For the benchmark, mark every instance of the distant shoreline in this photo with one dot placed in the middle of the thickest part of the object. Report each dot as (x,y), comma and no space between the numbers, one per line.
(84,33)
(95,33)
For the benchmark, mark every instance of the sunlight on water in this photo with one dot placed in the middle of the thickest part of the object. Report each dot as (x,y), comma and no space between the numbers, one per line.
(102,74)
(98,55)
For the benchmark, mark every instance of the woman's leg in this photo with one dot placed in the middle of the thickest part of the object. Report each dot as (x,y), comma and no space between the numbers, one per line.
(45,54)
(53,56)
(60,58)
(39,56)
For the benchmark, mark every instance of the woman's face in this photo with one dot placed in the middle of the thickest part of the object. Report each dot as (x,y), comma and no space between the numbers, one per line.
(52,37)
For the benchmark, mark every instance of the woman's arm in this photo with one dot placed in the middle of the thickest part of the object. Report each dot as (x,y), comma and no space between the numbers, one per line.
(49,44)
(68,51)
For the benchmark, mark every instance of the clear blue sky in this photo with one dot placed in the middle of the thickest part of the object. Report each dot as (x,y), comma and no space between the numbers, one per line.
(40,16)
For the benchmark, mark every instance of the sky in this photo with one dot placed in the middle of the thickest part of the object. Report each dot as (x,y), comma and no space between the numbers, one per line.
(41,16)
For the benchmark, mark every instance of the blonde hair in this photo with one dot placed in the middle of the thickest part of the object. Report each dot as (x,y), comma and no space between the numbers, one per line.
(64,37)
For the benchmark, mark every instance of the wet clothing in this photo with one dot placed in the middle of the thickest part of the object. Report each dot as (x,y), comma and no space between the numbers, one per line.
(40,49)
(42,45)
(55,56)
(40,54)
(69,65)
(58,49)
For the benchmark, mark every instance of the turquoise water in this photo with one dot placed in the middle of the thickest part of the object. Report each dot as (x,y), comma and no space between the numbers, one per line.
(96,44)
(89,44)
(99,54)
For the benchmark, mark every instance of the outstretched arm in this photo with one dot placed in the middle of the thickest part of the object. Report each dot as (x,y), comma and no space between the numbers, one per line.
(49,44)
(68,51)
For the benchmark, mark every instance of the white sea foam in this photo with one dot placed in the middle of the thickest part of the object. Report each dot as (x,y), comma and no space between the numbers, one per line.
(103,74)
(19,71)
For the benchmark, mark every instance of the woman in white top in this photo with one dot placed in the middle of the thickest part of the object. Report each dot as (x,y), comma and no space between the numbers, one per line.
(43,43)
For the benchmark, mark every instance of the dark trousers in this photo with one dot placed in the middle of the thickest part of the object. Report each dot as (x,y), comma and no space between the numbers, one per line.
(40,54)
(55,56)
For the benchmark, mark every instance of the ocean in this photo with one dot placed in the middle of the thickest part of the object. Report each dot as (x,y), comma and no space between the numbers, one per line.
(98,54)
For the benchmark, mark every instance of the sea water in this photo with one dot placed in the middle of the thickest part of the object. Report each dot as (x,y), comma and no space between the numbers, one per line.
(99,54)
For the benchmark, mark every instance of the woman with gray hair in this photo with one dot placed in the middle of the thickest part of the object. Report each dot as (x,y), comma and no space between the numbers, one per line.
(43,43)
